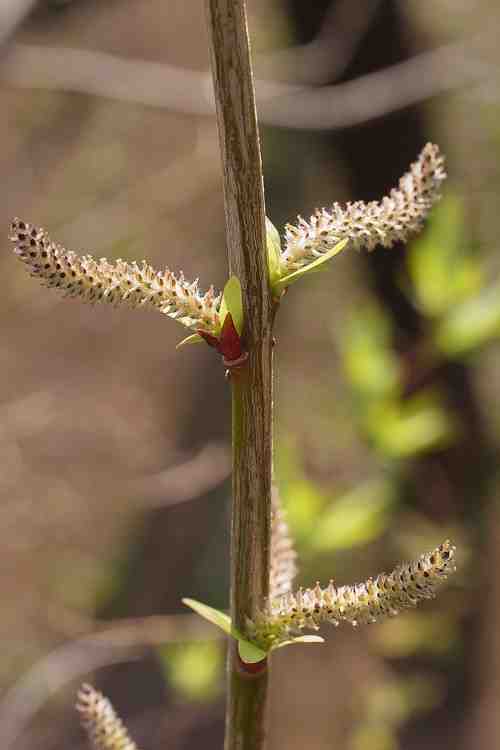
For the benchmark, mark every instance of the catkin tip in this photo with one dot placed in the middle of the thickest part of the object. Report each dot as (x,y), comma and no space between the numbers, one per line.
(104,728)
(394,218)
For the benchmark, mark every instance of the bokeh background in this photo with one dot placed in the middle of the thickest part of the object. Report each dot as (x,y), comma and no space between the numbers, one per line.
(114,487)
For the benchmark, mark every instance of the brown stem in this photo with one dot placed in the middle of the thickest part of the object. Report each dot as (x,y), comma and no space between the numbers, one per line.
(252,385)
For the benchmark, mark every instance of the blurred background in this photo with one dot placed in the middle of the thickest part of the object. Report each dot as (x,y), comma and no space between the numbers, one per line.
(114,473)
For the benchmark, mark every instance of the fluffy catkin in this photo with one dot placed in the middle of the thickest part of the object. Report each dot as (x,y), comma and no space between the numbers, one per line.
(366,225)
(137,285)
(283,568)
(384,596)
(104,728)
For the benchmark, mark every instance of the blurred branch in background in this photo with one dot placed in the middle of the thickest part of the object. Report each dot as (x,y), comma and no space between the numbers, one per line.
(367,97)
(327,56)
(12,13)
(185,481)
(109,643)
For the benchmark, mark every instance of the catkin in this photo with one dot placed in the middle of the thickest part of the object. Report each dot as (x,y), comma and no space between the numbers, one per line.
(395,218)
(104,728)
(283,556)
(375,599)
(133,284)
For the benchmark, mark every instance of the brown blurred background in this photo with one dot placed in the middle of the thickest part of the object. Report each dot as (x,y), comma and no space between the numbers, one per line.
(114,485)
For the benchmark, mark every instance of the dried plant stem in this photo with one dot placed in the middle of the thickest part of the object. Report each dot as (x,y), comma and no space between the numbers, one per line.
(252,386)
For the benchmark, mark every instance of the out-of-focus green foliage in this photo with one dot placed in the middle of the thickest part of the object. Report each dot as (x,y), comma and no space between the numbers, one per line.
(194,669)
(302,498)
(394,701)
(355,518)
(400,429)
(86,584)
(370,363)
(388,705)
(418,633)
(448,284)
(442,270)
(373,737)
(471,325)
(396,426)
(320,523)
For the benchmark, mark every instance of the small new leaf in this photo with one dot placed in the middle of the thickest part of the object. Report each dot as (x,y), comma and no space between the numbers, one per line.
(249,652)
(215,616)
(313,267)
(273,244)
(232,302)
(195,338)
(299,639)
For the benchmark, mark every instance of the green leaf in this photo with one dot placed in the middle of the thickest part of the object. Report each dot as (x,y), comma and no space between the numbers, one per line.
(300,639)
(285,281)
(249,652)
(273,243)
(195,338)
(232,302)
(215,616)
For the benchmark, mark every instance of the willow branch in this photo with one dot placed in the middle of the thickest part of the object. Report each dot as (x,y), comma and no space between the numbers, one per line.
(12,14)
(252,386)
(447,68)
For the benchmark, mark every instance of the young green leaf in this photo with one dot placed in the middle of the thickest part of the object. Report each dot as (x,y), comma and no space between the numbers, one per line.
(232,302)
(285,281)
(273,244)
(299,639)
(249,652)
(195,338)
(215,616)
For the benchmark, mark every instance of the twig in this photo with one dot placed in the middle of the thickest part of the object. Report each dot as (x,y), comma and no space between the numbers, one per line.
(324,58)
(423,76)
(12,14)
(185,481)
(252,386)
(110,644)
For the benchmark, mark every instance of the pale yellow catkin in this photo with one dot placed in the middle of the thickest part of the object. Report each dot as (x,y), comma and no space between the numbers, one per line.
(104,728)
(133,284)
(283,557)
(395,218)
(375,599)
